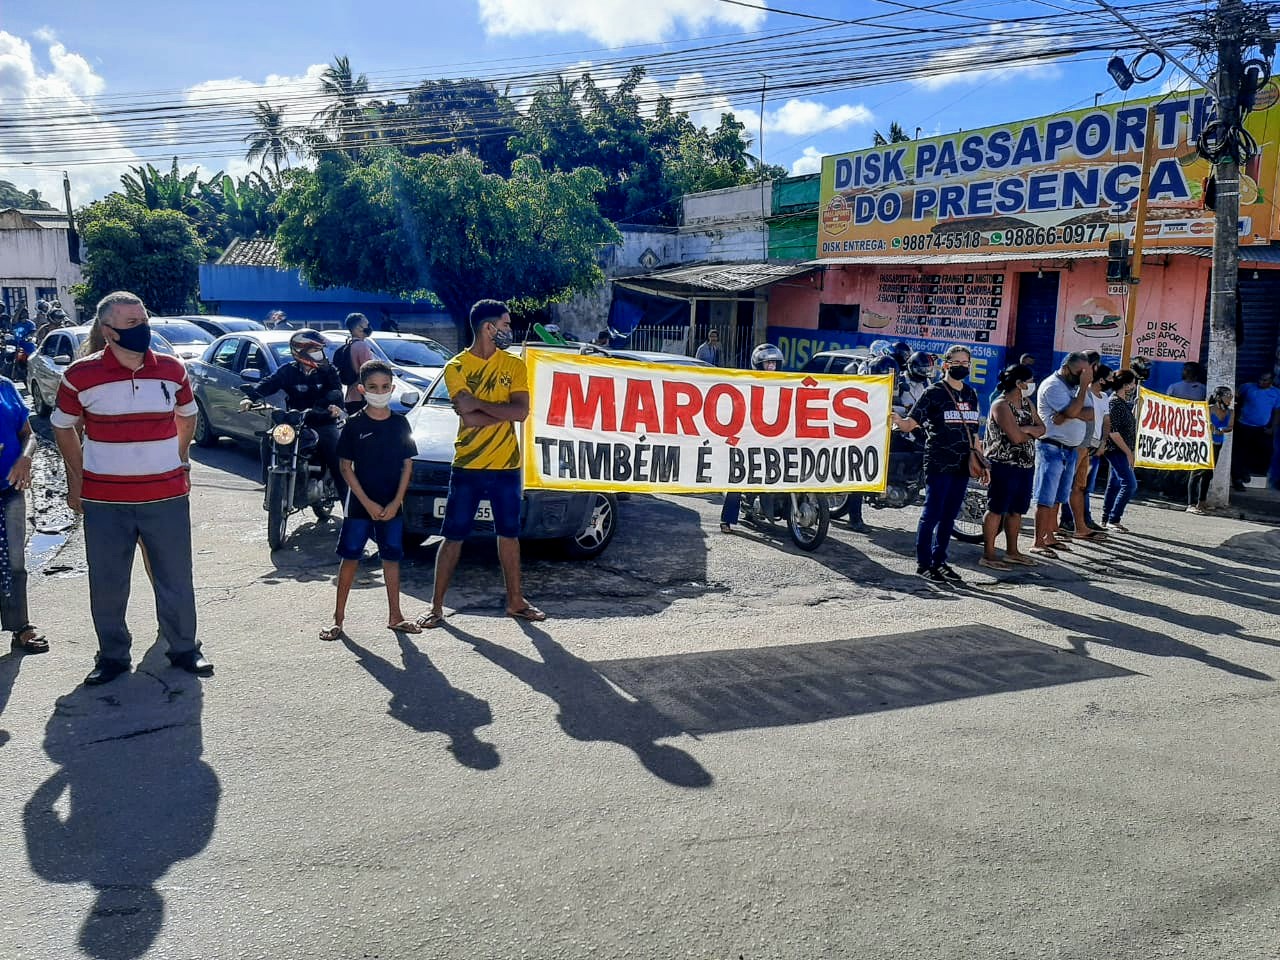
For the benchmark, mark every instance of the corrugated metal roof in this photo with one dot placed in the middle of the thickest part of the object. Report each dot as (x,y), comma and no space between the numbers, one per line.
(725,277)
(921,259)
(251,253)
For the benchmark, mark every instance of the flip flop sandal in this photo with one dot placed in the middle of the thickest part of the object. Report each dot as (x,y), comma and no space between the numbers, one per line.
(1049,552)
(331,633)
(528,612)
(406,626)
(1021,561)
(36,644)
(429,621)
(993,564)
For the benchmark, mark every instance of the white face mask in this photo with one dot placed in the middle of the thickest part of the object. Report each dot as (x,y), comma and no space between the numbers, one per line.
(316,355)
(1028,389)
(377,400)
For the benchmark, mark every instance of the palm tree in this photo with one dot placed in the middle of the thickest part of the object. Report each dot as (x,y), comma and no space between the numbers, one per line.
(148,187)
(344,116)
(272,140)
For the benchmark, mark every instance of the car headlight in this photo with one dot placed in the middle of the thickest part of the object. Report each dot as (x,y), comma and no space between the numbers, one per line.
(283,433)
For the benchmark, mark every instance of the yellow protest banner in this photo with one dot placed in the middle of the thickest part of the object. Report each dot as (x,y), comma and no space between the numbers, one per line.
(1173,434)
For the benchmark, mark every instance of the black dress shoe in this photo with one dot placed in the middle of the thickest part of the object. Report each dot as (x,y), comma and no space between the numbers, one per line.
(104,671)
(193,662)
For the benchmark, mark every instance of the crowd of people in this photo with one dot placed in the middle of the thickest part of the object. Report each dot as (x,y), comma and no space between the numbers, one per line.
(125,417)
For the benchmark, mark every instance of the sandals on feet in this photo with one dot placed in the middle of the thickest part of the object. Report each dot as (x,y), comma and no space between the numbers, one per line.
(528,612)
(1021,560)
(429,621)
(27,640)
(331,633)
(406,626)
(993,564)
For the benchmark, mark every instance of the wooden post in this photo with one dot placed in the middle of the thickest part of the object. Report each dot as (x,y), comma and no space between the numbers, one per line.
(1139,238)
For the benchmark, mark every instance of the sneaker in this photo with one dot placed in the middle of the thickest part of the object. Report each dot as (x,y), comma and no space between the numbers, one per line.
(1195,509)
(858,526)
(1096,527)
(930,574)
(1118,527)
(948,573)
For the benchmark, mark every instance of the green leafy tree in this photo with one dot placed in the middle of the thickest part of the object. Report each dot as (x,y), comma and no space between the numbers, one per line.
(11,196)
(154,253)
(443,226)
(450,116)
(273,140)
(148,187)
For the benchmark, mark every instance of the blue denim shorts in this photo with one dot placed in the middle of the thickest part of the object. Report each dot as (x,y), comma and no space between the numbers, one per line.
(388,534)
(1055,472)
(468,487)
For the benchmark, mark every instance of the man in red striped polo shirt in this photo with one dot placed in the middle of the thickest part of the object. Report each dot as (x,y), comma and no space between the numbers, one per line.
(131,480)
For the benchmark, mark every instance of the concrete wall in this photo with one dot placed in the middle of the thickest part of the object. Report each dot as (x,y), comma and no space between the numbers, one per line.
(722,206)
(726,225)
(642,250)
(38,257)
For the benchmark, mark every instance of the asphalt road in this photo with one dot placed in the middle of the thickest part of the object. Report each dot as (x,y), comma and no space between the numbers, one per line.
(716,748)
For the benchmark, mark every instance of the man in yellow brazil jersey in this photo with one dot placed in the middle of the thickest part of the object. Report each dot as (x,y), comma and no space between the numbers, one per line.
(490,392)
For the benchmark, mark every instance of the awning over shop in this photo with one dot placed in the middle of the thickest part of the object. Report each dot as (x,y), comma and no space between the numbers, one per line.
(714,281)
(942,259)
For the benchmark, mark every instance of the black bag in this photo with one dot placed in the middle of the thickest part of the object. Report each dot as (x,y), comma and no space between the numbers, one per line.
(347,372)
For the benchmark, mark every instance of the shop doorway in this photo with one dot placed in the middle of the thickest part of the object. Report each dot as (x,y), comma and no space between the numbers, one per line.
(1036,319)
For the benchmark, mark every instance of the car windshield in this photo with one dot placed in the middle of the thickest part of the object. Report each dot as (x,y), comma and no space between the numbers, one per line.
(236,326)
(158,343)
(182,333)
(414,353)
(281,351)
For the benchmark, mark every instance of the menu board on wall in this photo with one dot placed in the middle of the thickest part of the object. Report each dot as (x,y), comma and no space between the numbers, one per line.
(954,307)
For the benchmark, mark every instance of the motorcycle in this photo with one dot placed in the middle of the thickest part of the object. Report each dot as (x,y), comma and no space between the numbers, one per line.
(806,515)
(906,483)
(295,480)
(18,347)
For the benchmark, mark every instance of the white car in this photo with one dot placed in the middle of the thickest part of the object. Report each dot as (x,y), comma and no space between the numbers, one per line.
(187,339)
(60,347)
(416,359)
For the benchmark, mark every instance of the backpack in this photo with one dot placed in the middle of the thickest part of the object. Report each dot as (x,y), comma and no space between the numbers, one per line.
(347,373)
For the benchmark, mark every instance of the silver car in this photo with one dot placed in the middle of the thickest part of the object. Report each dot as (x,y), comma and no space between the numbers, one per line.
(60,347)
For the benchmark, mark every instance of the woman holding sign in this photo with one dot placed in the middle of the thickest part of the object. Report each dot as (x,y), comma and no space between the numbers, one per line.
(1120,453)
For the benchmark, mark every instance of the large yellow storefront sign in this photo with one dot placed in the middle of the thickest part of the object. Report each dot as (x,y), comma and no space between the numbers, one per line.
(1060,183)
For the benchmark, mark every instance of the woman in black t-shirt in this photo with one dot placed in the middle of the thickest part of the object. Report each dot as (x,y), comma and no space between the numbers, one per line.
(948,412)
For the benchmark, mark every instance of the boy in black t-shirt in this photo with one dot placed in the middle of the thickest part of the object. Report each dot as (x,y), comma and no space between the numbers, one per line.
(376,453)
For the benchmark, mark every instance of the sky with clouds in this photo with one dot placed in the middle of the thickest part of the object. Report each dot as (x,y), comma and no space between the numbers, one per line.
(86,55)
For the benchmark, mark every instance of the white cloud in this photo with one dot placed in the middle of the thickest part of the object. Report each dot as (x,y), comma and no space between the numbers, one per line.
(803,118)
(946,68)
(613,22)
(809,162)
(30,93)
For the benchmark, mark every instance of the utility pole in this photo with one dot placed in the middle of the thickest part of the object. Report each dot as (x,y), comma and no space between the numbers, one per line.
(1226,233)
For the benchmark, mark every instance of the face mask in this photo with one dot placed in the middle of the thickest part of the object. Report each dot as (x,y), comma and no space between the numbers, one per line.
(135,339)
(317,356)
(958,373)
(1028,389)
(503,338)
(1072,379)
(377,400)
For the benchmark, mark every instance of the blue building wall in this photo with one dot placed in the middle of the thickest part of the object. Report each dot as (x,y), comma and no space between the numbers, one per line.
(253,292)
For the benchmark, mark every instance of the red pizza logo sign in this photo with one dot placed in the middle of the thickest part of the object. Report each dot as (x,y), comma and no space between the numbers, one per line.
(837,217)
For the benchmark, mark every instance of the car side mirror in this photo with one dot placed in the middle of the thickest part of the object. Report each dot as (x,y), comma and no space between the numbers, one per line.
(251,376)
(62,360)
(410,398)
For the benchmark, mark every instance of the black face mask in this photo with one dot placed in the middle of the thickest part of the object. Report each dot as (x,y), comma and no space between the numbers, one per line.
(960,373)
(1072,379)
(135,339)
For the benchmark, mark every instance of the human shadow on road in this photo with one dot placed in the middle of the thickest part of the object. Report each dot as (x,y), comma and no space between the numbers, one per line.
(658,556)
(1203,570)
(10,664)
(423,699)
(1081,629)
(137,798)
(591,709)
(239,459)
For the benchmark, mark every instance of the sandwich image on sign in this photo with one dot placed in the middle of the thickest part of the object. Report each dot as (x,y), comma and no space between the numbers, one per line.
(1098,317)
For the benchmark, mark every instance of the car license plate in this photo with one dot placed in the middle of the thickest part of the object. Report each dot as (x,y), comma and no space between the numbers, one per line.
(484,510)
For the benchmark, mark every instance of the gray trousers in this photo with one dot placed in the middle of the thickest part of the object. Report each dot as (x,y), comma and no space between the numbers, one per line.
(111,535)
(13,608)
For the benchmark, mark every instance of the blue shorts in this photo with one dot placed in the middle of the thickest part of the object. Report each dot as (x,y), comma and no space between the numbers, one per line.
(1055,472)
(388,534)
(468,487)
(1010,489)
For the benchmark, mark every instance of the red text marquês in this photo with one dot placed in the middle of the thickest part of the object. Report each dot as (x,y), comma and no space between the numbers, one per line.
(680,408)
(1175,421)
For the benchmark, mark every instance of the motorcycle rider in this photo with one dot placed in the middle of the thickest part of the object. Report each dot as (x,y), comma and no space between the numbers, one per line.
(309,383)
(766,356)
(920,371)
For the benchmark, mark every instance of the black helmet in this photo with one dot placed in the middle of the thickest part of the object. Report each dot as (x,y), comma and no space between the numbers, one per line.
(920,365)
(901,354)
(765,353)
(879,366)
(304,344)
(1141,368)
